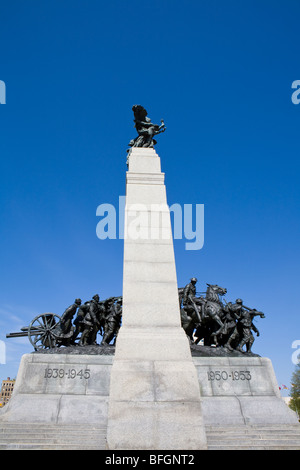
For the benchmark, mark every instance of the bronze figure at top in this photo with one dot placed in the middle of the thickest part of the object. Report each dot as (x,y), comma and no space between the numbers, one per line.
(145,128)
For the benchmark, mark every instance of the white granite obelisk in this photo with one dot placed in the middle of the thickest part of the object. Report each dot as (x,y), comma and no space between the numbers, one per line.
(154,398)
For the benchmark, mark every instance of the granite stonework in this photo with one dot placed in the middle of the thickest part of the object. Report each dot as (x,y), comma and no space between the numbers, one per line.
(60,388)
(241,390)
(154,398)
(74,389)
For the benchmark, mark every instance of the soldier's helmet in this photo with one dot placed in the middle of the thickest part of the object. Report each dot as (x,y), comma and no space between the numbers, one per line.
(194,279)
(78,301)
(96,297)
(238,301)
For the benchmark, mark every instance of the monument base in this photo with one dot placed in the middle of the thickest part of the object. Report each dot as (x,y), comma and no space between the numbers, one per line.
(60,388)
(60,401)
(241,391)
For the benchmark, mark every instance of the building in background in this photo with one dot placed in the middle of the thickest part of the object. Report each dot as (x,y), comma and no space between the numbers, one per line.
(6,390)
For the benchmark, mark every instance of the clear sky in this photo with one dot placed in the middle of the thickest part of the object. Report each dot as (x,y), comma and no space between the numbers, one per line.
(220,74)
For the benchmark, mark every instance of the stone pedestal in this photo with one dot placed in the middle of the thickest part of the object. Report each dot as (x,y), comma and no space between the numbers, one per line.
(241,391)
(60,401)
(154,398)
(60,389)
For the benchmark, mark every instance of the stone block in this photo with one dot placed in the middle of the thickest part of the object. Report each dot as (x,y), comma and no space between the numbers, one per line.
(135,344)
(160,426)
(141,197)
(150,291)
(60,388)
(160,253)
(145,315)
(145,272)
(240,390)
(151,161)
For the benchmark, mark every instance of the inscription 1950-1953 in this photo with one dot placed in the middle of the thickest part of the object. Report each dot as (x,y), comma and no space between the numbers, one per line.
(69,373)
(233,375)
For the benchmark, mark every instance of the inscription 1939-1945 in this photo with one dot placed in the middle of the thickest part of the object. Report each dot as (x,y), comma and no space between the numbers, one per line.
(233,375)
(69,373)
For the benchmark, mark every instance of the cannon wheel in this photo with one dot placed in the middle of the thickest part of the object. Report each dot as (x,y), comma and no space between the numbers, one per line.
(41,331)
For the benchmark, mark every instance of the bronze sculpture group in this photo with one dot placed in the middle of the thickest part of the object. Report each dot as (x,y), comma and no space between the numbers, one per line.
(215,322)
(48,330)
(92,317)
(206,319)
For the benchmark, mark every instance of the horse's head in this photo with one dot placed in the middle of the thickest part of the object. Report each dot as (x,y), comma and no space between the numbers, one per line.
(216,289)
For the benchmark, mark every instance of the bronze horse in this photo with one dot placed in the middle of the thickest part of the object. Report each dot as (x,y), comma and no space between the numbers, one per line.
(204,314)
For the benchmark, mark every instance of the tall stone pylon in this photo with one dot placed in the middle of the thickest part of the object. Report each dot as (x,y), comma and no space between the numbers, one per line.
(154,398)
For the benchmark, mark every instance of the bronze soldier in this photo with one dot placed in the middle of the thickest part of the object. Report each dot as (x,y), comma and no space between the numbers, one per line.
(112,321)
(246,325)
(91,323)
(235,311)
(67,316)
(189,293)
(78,322)
(63,331)
(242,331)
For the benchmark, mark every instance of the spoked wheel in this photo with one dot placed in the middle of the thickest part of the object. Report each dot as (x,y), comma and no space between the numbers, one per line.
(41,331)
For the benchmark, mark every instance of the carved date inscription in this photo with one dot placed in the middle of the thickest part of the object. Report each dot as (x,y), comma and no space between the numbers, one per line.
(232,375)
(69,373)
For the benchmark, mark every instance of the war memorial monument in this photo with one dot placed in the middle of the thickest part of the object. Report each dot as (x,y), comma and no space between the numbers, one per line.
(174,370)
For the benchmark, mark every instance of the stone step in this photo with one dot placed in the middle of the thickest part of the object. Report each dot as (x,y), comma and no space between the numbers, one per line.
(73,432)
(50,437)
(240,438)
(247,427)
(250,437)
(217,437)
(250,430)
(41,437)
(25,446)
(250,442)
(36,436)
(6,425)
(48,444)
(232,447)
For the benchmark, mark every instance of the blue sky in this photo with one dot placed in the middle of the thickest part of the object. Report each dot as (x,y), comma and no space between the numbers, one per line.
(220,74)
